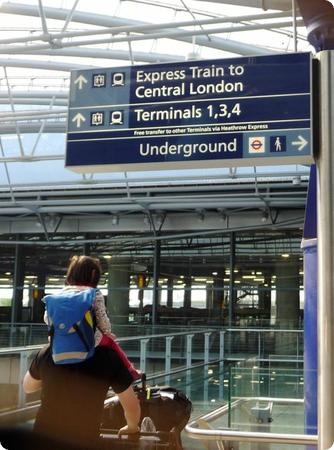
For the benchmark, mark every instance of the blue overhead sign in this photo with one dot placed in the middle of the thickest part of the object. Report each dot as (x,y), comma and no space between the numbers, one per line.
(211,113)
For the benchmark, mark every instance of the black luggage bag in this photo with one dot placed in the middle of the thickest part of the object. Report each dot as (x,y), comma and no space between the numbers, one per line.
(159,440)
(168,408)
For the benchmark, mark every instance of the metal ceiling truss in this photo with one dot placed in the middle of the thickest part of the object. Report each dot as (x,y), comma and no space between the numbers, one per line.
(161,204)
(117,25)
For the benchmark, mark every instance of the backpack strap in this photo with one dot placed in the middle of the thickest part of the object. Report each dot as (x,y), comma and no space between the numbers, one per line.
(81,336)
(51,334)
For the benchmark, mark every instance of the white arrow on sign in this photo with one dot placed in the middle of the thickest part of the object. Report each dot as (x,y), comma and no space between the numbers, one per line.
(302,142)
(80,81)
(78,118)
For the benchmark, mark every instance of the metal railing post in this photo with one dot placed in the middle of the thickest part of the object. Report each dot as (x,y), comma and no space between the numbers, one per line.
(206,364)
(22,370)
(168,358)
(189,350)
(206,346)
(221,363)
(143,348)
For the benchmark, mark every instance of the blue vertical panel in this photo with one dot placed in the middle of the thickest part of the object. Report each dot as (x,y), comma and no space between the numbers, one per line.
(309,246)
(310,223)
(310,335)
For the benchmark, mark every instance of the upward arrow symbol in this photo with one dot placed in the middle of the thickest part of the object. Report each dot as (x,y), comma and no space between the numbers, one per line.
(80,81)
(78,118)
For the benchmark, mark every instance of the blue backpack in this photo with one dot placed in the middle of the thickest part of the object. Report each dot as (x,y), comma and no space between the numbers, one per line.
(71,325)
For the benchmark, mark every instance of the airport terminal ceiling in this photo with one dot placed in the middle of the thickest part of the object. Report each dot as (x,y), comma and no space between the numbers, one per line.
(41,201)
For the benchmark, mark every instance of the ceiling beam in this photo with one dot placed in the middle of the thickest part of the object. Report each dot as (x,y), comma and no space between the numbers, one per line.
(108,21)
(140,28)
(281,5)
(175,34)
(34,127)
(44,65)
(174,221)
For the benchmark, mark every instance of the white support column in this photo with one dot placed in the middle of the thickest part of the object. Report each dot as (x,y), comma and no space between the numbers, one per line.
(325,204)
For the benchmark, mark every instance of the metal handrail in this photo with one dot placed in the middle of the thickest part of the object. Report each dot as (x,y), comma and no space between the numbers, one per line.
(265,330)
(21,348)
(194,431)
(24,352)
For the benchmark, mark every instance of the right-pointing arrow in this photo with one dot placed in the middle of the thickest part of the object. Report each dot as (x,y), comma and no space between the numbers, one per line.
(78,118)
(301,143)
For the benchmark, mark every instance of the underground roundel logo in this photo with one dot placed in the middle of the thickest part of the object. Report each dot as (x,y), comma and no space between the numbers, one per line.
(256,144)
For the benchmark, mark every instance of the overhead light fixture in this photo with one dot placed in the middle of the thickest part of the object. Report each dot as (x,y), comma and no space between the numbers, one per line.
(222,214)
(265,215)
(115,219)
(296,181)
(285,255)
(201,215)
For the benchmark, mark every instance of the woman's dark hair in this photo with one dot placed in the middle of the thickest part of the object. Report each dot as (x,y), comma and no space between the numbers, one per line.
(84,271)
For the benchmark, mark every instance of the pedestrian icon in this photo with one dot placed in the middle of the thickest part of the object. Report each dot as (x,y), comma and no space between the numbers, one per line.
(277,144)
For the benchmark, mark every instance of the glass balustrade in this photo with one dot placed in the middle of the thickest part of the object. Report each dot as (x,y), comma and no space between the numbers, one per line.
(235,388)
